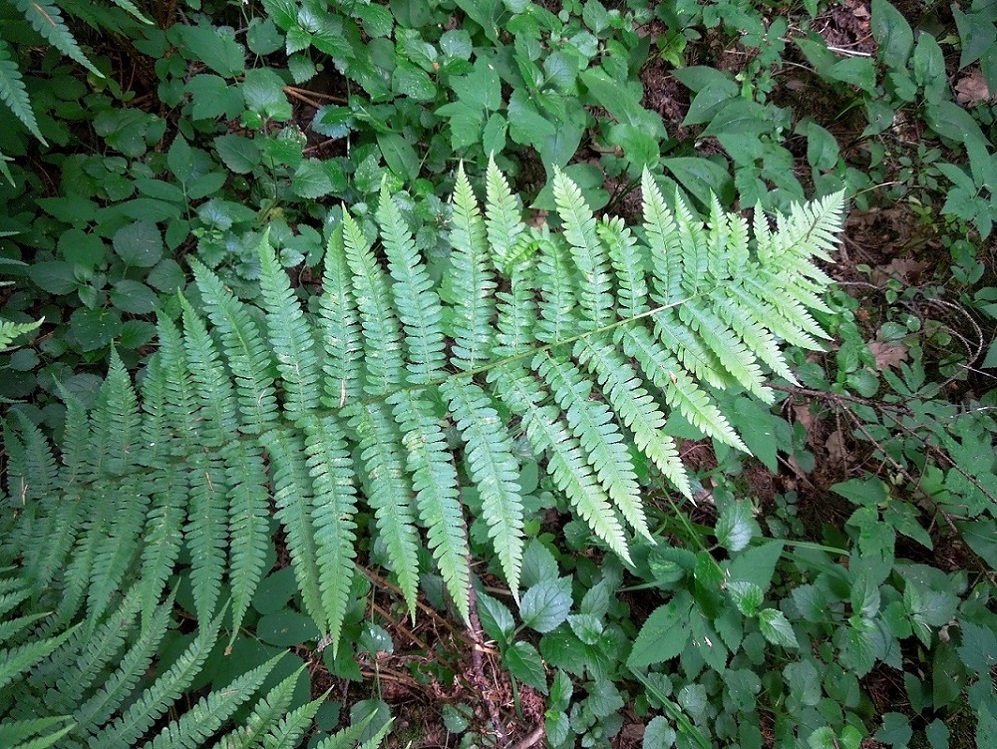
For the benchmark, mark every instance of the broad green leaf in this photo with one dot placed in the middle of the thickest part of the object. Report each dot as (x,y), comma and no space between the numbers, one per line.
(664,635)
(311,180)
(215,46)
(180,159)
(139,244)
(240,155)
(746,596)
(399,155)
(658,734)
(95,328)
(546,604)
(736,526)
(134,297)
(892,33)
(776,628)
(525,664)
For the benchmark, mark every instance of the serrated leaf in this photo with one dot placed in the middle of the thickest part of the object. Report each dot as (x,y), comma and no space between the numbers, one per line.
(736,526)
(546,604)
(664,635)
(525,664)
(776,628)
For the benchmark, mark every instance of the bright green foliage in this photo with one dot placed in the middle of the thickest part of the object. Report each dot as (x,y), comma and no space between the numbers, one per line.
(367,426)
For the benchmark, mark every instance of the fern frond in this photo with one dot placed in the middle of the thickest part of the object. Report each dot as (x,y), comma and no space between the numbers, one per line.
(567,464)
(293,497)
(248,526)
(631,279)
(434,480)
(469,287)
(335,506)
(290,336)
(636,408)
(388,493)
(212,384)
(129,7)
(155,700)
(340,326)
(679,390)
(381,329)
(558,287)
(211,711)
(516,315)
(587,252)
(46,18)
(494,470)
(15,96)
(15,661)
(115,421)
(593,425)
(417,304)
(503,219)
(245,351)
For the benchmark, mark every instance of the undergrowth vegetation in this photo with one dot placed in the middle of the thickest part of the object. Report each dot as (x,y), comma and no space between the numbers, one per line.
(478,373)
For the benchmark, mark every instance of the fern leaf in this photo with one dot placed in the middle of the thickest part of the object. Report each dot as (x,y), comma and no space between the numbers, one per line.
(206,533)
(791,323)
(290,336)
(129,7)
(340,326)
(567,464)
(435,482)
(587,252)
(266,713)
(593,425)
(388,494)
(245,351)
(180,405)
(293,497)
(694,247)
(494,470)
(679,389)
(15,96)
(503,218)
(116,688)
(159,697)
(211,381)
(664,241)
(686,346)
(636,408)
(631,278)
(418,305)
(382,331)
(335,506)
(17,734)
(516,315)
(115,421)
(558,288)
(469,286)
(754,334)
(46,18)
(15,661)
(211,711)
(291,728)
(248,526)
(733,355)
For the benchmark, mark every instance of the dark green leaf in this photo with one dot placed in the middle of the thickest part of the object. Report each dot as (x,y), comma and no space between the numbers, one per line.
(776,628)
(54,276)
(737,526)
(139,244)
(133,297)
(524,663)
(240,155)
(95,328)
(663,635)
(546,604)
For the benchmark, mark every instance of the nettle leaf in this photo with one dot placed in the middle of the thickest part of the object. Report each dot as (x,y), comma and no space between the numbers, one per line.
(664,634)
(546,604)
(737,526)
(139,244)
(311,180)
(746,596)
(241,155)
(525,664)
(215,46)
(776,628)
(658,734)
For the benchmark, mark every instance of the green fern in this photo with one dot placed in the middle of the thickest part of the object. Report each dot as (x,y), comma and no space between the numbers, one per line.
(576,344)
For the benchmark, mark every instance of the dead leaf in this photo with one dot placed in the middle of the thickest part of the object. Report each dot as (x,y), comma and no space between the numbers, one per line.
(835,445)
(904,269)
(972,88)
(887,355)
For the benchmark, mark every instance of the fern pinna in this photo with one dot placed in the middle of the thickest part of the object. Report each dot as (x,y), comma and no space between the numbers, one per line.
(391,396)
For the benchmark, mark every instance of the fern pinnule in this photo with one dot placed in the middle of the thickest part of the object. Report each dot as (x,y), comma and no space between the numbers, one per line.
(206,531)
(494,470)
(266,712)
(469,288)
(15,96)
(587,251)
(293,495)
(245,352)
(631,279)
(434,480)
(339,323)
(416,303)
(290,337)
(559,320)
(335,505)
(383,361)
(46,18)
(388,492)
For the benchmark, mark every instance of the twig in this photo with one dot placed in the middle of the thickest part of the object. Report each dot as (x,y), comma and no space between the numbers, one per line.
(532,740)
(477,663)
(296,93)
(401,627)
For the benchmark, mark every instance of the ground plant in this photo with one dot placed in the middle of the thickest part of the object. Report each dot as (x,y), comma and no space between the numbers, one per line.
(478,373)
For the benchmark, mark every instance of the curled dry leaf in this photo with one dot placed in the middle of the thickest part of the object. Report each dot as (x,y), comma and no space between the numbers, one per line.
(972,88)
